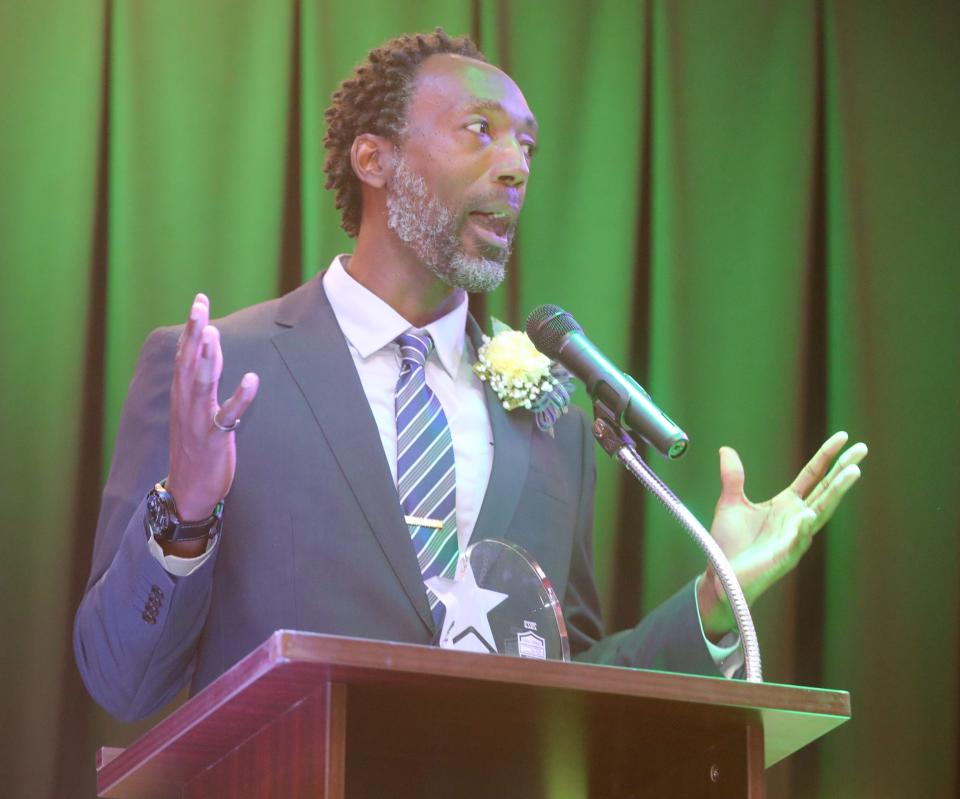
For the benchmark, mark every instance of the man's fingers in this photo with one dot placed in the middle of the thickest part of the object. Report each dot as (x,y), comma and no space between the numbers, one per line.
(853,455)
(209,365)
(731,474)
(819,464)
(191,339)
(829,499)
(239,401)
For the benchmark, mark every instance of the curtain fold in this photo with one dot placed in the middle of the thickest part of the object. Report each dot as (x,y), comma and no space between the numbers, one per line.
(752,207)
(891,559)
(50,103)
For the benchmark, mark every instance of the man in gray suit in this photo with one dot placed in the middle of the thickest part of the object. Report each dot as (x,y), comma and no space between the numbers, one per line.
(429,153)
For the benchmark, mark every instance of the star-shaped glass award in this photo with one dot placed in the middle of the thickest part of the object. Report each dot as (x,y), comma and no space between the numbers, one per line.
(500,601)
(466,625)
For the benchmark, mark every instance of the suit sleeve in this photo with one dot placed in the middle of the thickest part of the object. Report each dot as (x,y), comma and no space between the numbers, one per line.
(137,626)
(668,639)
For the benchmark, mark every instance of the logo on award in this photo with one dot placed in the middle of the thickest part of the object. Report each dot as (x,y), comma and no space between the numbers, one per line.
(531,645)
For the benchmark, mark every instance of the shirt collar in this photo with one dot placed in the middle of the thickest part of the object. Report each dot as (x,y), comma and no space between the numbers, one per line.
(369,324)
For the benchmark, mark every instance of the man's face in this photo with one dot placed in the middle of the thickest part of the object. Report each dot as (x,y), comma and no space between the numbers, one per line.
(461,174)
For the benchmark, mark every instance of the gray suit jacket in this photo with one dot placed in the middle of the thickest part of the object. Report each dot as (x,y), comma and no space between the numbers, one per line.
(313,535)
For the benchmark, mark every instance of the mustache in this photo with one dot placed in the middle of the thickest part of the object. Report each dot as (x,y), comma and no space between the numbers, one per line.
(508,195)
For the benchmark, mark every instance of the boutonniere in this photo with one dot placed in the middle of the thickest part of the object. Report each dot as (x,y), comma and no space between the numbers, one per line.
(523,377)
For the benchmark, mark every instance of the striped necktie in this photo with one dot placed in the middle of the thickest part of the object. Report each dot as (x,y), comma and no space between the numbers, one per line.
(426,477)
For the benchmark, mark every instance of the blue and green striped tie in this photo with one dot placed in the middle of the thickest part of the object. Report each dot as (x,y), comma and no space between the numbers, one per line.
(426,475)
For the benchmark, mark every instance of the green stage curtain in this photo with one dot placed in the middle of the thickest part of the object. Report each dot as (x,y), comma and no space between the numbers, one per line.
(752,206)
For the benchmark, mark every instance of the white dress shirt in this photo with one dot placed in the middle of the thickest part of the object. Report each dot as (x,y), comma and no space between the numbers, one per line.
(449,373)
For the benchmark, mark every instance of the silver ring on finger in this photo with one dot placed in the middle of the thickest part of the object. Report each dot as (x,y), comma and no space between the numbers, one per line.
(224,428)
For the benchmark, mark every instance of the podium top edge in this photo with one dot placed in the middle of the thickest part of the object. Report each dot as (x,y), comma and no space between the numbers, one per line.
(354,658)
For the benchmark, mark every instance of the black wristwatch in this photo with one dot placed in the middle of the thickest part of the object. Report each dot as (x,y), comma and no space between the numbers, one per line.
(163,522)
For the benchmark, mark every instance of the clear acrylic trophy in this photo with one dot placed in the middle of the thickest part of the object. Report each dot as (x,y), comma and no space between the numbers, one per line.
(501,601)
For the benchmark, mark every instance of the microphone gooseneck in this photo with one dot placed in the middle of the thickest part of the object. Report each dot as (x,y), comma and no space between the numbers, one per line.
(620,403)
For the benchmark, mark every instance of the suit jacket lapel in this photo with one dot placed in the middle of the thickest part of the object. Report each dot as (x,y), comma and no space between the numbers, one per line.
(316,354)
(511,459)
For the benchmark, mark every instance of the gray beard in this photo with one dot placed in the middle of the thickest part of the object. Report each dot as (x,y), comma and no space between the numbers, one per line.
(431,230)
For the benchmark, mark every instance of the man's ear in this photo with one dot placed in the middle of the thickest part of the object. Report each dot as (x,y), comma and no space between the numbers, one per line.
(372,159)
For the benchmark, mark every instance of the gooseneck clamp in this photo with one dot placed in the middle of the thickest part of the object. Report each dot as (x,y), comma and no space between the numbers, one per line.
(620,446)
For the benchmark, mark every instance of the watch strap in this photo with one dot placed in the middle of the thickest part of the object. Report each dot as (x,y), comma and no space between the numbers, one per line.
(173,529)
(196,531)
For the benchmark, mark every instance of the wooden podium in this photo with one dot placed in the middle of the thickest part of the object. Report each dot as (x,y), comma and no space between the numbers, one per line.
(307,715)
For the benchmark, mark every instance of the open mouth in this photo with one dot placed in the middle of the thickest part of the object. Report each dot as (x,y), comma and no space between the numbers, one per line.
(495,226)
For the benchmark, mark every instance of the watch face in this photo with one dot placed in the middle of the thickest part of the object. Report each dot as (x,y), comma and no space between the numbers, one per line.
(157,514)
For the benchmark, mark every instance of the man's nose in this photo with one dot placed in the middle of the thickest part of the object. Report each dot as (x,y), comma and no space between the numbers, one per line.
(511,167)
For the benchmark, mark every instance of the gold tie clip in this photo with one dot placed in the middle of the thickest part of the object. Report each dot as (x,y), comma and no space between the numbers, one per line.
(421,521)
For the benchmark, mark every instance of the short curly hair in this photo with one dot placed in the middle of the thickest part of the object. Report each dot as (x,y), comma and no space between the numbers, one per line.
(374,100)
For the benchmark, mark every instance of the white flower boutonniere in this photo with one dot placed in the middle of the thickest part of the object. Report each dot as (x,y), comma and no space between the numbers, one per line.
(522,376)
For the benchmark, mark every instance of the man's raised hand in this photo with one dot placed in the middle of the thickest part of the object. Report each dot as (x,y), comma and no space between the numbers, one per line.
(764,541)
(203,458)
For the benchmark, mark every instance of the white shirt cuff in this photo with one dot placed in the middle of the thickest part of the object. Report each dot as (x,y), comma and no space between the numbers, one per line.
(177,566)
(727,654)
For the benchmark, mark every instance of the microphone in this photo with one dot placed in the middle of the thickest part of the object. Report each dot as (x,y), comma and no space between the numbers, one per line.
(558,336)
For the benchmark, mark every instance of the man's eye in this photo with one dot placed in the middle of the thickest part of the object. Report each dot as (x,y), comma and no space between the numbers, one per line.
(529,147)
(480,126)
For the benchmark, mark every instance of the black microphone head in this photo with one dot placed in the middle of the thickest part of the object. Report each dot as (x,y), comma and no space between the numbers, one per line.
(547,325)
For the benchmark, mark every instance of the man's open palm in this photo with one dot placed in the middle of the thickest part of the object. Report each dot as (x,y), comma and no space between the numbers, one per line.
(765,540)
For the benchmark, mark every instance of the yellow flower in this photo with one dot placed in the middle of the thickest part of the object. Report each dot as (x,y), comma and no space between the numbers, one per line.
(513,355)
